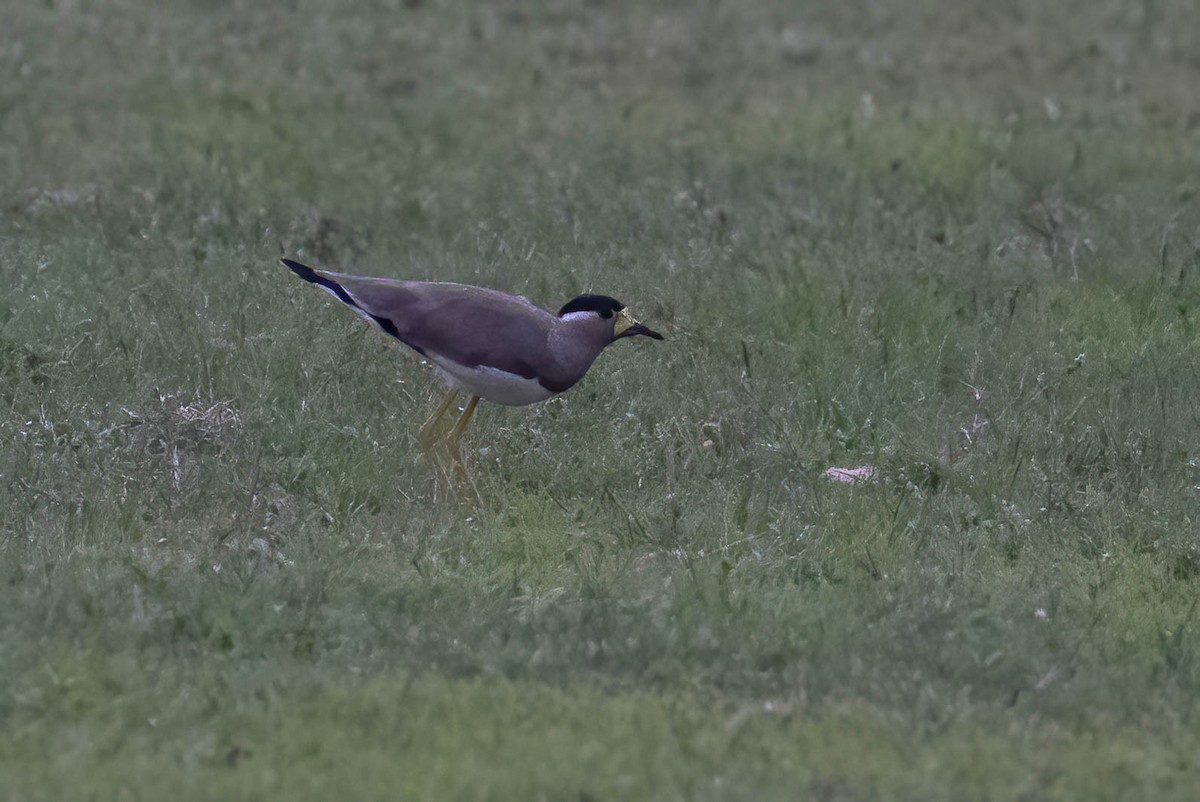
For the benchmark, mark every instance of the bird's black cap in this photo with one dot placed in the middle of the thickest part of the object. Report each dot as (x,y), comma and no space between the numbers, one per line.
(605,306)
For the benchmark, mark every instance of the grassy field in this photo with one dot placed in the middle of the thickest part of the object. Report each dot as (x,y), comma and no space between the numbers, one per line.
(958,242)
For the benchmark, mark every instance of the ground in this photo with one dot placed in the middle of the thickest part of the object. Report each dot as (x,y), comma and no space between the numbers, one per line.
(950,248)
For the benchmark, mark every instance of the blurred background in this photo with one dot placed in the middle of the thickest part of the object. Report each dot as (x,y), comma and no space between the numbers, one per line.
(903,508)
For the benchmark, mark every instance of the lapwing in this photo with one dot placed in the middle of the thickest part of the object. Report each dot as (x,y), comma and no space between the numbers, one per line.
(485,343)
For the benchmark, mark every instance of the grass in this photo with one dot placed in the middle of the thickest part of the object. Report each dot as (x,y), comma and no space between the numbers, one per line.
(954,243)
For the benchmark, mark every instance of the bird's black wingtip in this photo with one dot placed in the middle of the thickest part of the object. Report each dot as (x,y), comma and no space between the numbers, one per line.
(324,282)
(303,271)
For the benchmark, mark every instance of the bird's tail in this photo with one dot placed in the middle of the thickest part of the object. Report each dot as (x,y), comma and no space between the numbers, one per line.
(323,281)
(326,282)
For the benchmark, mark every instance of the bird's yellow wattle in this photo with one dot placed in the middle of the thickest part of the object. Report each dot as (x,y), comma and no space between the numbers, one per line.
(624,321)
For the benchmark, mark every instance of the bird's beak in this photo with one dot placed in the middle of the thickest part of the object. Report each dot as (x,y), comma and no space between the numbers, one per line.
(626,326)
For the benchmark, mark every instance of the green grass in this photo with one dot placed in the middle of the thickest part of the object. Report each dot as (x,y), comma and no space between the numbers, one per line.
(956,243)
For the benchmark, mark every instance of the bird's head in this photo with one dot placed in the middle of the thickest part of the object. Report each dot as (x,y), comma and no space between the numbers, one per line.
(606,312)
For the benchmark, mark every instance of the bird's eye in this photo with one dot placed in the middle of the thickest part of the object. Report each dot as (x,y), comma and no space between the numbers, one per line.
(606,313)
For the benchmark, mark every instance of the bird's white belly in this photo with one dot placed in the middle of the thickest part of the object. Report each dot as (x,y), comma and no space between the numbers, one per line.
(492,384)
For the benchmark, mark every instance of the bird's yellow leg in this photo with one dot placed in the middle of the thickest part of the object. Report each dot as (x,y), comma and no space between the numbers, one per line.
(456,433)
(427,428)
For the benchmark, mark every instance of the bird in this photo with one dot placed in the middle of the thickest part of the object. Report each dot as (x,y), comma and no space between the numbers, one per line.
(486,343)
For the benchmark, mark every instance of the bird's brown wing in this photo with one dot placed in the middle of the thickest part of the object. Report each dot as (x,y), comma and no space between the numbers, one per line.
(470,325)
